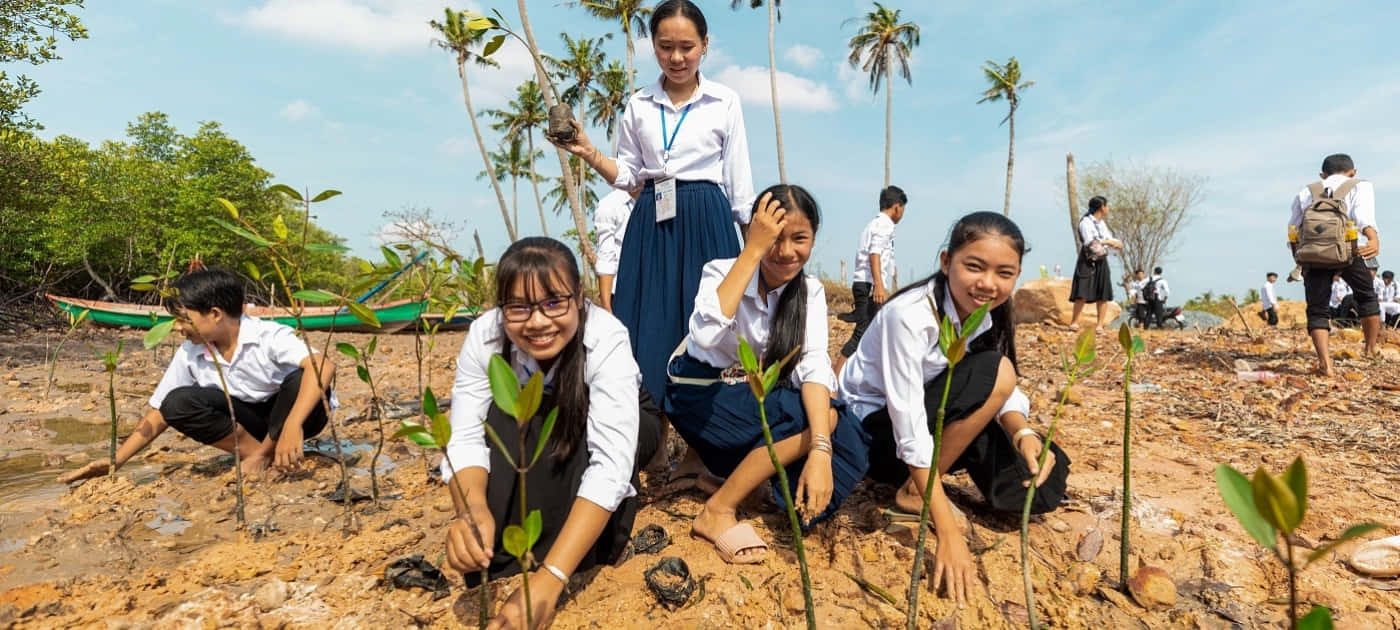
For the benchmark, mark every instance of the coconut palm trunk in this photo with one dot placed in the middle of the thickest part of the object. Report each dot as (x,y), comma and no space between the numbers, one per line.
(889,117)
(481,145)
(535,181)
(1072,187)
(570,182)
(1010,159)
(773,87)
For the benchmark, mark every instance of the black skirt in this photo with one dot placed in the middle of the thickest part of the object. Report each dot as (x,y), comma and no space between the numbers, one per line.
(1092,281)
(552,485)
(990,460)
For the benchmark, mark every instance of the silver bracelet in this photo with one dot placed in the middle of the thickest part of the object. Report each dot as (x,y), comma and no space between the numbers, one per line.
(1016,439)
(553,570)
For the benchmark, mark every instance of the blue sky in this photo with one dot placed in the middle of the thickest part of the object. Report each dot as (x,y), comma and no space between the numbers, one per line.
(351,95)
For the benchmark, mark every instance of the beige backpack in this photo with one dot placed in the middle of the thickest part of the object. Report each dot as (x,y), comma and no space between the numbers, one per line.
(1323,241)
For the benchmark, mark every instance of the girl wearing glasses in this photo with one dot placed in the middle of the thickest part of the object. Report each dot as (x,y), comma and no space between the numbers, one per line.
(584,484)
(765,297)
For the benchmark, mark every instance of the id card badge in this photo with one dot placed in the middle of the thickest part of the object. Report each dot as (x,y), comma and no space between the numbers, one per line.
(665,199)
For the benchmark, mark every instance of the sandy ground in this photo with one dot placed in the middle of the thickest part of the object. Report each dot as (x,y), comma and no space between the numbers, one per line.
(157,545)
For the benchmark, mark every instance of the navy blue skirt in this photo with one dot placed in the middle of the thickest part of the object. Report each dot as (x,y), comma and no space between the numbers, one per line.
(660,268)
(720,421)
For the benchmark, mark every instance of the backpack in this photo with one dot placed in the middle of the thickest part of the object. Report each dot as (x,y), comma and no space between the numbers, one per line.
(1149,290)
(1323,241)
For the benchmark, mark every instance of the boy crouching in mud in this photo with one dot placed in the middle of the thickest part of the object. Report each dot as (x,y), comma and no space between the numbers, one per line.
(263,363)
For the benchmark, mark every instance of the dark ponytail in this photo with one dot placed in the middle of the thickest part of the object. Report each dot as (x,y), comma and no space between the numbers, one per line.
(1098,201)
(788,329)
(551,264)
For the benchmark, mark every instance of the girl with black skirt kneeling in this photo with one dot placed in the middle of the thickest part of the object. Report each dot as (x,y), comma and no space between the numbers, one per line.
(765,297)
(895,382)
(584,484)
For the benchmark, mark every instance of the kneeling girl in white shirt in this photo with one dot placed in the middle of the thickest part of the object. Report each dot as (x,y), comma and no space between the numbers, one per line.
(765,297)
(606,427)
(895,382)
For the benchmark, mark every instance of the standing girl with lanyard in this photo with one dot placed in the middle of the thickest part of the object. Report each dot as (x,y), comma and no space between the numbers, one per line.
(895,382)
(607,425)
(1091,277)
(764,296)
(682,140)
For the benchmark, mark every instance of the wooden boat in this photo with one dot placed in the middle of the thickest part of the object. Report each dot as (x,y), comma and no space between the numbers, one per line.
(462,320)
(393,316)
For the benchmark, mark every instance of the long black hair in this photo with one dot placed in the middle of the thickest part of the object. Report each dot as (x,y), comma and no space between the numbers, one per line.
(552,266)
(683,8)
(788,328)
(970,228)
(1098,201)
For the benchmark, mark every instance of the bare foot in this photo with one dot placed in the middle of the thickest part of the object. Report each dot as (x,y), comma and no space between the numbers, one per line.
(254,466)
(712,522)
(908,500)
(93,469)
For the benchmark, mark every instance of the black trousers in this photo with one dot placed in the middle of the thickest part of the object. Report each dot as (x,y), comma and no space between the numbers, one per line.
(552,485)
(1317,287)
(1269,315)
(864,311)
(1142,314)
(202,412)
(1156,312)
(995,466)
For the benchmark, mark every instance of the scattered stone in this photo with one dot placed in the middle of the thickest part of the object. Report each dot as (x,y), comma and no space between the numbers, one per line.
(271,595)
(1059,525)
(1048,299)
(1152,588)
(1387,353)
(443,504)
(793,601)
(1072,395)
(1083,578)
(1243,366)
(1351,334)
(1090,545)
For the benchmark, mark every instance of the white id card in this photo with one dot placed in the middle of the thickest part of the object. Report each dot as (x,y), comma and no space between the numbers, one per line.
(665,199)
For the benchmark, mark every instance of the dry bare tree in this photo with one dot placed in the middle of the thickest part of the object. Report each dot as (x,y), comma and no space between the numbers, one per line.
(1150,205)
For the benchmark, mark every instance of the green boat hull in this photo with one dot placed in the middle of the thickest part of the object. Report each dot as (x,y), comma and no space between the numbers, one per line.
(392,317)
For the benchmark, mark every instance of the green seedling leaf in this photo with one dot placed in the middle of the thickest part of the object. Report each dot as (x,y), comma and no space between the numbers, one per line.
(1084,347)
(326,248)
(324,195)
(1238,495)
(256,240)
(1138,345)
(416,433)
(403,247)
(348,350)
(770,377)
(157,334)
(544,435)
(391,258)
(946,334)
(365,268)
(505,387)
(493,45)
(145,278)
(363,314)
(1296,478)
(746,356)
(442,428)
(974,320)
(480,24)
(1125,337)
(373,343)
(529,401)
(228,206)
(315,296)
(956,351)
(1275,501)
(430,406)
(1319,618)
(534,524)
(1351,533)
(253,271)
(363,373)
(496,439)
(514,540)
(143,286)
(286,190)
(279,227)
(451,312)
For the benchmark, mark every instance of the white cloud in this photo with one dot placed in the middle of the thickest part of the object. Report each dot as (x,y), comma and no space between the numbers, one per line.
(374,26)
(457,146)
(805,57)
(854,83)
(299,110)
(794,92)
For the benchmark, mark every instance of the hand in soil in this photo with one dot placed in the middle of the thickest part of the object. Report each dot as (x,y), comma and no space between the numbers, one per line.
(544,590)
(815,486)
(93,469)
(463,554)
(1031,452)
(289,448)
(953,568)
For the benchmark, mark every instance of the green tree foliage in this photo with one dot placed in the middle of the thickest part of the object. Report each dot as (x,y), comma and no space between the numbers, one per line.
(29,31)
(80,216)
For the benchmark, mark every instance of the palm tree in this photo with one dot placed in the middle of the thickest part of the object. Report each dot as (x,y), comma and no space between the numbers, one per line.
(773,16)
(463,42)
(558,196)
(582,62)
(884,42)
(1006,83)
(632,14)
(520,118)
(512,161)
(607,101)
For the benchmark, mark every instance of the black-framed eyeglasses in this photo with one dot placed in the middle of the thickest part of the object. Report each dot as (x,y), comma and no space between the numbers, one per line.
(553,307)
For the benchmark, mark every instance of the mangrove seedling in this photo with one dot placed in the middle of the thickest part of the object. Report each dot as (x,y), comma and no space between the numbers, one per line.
(1270,509)
(73,322)
(1075,368)
(761,381)
(109,363)
(361,358)
(1132,346)
(952,342)
(435,435)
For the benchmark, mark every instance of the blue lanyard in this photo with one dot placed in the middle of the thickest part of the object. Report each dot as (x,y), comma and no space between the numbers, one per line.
(667,143)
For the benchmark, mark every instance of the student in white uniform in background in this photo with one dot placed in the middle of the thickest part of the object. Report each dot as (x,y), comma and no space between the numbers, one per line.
(1389,296)
(1139,302)
(1268,301)
(895,382)
(584,481)
(874,268)
(610,224)
(1091,282)
(766,297)
(1337,300)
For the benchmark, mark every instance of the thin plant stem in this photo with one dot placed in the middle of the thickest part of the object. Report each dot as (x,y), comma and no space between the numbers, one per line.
(792,518)
(524,559)
(453,487)
(1126,516)
(237,456)
(1292,585)
(112,408)
(374,404)
(1030,496)
(934,478)
(53,363)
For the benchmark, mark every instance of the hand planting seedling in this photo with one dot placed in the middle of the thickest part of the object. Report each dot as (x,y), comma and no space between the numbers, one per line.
(1270,509)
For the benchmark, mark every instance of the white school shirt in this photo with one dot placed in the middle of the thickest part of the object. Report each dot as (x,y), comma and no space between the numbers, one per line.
(1267,299)
(1163,291)
(1340,289)
(1135,290)
(610,222)
(711,145)
(266,354)
(1361,202)
(613,384)
(877,238)
(1092,229)
(1388,292)
(714,338)
(897,356)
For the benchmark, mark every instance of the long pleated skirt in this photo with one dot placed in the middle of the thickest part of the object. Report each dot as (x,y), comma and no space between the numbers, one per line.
(660,268)
(721,422)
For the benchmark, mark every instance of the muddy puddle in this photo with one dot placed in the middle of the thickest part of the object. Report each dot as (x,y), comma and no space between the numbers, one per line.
(70,430)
